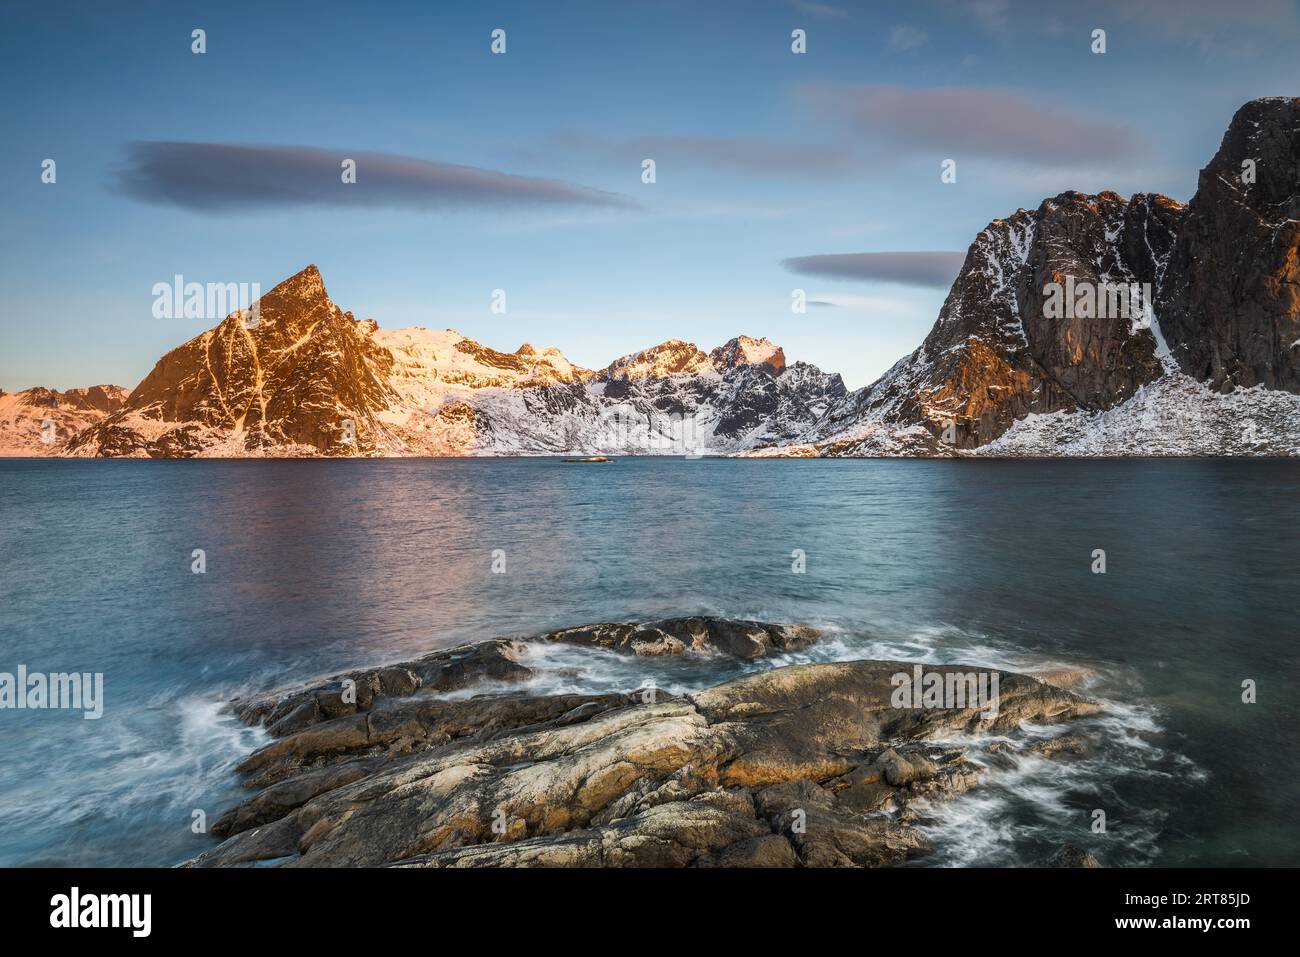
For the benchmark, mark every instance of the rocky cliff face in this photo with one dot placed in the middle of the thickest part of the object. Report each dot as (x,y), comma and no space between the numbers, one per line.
(1231,307)
(994,356)
(1004,371)
(302,377)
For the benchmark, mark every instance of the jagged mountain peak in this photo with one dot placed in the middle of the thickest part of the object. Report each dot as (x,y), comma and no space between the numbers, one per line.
(1217,276)
(745,351)
(1218,308)
(678,357)
(306,281)
(103,398)
(669,358)
(1266,134)
(301,297)
(1230,307)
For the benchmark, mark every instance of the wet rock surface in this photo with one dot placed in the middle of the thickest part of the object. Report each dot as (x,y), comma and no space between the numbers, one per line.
(800,765)
(676,636)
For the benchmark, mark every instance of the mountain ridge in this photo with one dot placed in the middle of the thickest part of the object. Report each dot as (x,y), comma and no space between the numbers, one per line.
(307,378)
(1186,324)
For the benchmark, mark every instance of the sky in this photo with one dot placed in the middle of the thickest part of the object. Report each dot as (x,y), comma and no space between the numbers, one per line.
(522,171)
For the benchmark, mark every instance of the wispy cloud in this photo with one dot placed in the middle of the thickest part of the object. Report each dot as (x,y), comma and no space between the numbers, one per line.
(819,9)
(875,305)
(979,121)
(903,37)
(991,14)
(928,270)
(221,177)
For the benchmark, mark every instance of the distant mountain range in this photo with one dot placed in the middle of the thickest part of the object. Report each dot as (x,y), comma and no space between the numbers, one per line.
(1089,326)
(23,416)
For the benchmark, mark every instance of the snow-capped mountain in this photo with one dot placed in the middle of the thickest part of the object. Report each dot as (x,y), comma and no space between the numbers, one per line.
(1205,362)
(303,377)
(1091,325)
(306,378)
(35,421)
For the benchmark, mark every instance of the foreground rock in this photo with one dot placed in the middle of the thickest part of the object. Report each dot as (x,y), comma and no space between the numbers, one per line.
(502,661)
(675,636)
(806,765)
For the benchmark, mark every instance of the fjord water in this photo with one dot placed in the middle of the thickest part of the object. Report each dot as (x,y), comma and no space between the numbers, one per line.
(315,566)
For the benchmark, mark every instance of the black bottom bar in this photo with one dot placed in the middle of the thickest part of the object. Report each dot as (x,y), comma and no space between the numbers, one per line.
(362,908)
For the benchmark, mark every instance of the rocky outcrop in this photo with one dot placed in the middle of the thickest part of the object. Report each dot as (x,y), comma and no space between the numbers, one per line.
(676,636)
(802,765)
(1231,305)
(1072,856)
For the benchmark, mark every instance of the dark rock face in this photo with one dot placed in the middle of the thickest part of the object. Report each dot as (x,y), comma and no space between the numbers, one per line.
(1224,273)
(995,355)
(449,670)
(806,765)
(1231,305)
(745,402)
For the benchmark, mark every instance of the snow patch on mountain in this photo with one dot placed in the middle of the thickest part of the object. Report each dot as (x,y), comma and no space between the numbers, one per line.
(1175,415)
(23,416)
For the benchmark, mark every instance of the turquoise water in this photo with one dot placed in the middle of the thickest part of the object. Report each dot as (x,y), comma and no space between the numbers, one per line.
(314,566)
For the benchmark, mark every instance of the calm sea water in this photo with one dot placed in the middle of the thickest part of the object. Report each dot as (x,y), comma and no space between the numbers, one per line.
(315,566)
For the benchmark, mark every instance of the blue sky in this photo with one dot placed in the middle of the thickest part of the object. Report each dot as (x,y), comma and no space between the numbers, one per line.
(762,156)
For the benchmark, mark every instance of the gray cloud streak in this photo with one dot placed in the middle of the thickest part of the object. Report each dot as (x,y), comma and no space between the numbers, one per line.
(973,121)
(929,270)
(221,177)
